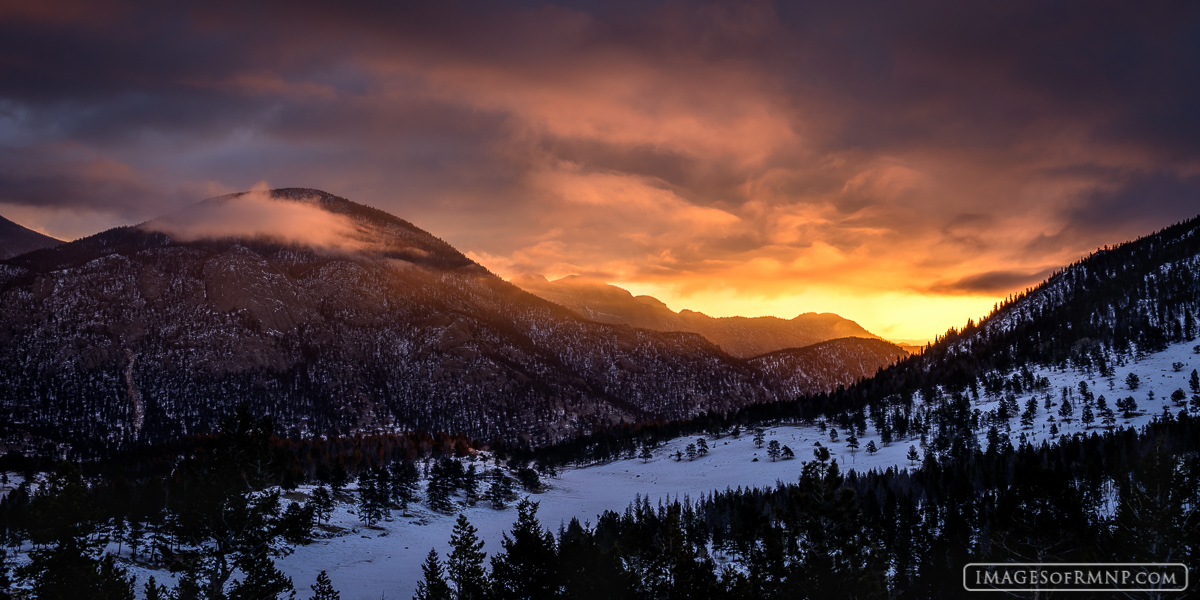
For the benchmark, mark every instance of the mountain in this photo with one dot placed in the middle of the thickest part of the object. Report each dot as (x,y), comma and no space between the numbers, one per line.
(825,365)
(15,240)
(744,337)
(1105,310)
(333,318)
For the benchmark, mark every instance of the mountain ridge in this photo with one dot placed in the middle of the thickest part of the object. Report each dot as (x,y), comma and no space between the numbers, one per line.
(744,337)
(134,336)
(16,239)
(1110,306)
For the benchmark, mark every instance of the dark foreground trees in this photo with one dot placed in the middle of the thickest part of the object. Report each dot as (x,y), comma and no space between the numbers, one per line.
(892,534)
(1120,496)
(218,522)
(68,563)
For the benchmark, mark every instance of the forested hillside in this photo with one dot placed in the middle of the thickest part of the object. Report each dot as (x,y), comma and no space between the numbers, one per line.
(140,335)
(1114,305)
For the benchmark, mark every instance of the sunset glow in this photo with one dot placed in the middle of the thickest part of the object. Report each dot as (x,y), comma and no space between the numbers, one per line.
(906,171)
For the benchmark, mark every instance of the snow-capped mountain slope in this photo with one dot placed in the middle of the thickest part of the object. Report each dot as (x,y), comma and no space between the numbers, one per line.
(1124,301)
(332,317)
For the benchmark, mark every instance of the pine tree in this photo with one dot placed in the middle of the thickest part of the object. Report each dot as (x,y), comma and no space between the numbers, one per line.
(499,490)
(1179,397)
(526,568)
(1066,411)
(223,519)
(323,588)
(646,454)
(154,591)
(871,447)
(529,479)
(263,581)
(759,437)
(701,446)
(433,586)
(438,491)
(787,453)
(371,505)
(1030,413)
(1087,417)
(913,456)
(470,485)
(835,554)
(773,450)
(1132,381)
(691,451)
(1156,503)
(1194,382)
(404,482)
(1107,417)
(69,563)
(587,572)
(465,563)
(296,523)
(322,502)
(1128,406)
(188,586)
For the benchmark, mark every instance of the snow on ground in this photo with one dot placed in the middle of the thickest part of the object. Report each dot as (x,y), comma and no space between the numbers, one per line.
(369,563)
(385,561)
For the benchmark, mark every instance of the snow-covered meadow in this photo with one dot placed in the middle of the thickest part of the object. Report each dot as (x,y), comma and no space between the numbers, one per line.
(384,561)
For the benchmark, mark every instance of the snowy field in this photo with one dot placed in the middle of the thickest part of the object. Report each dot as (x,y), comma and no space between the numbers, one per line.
(384,561)
(374,563)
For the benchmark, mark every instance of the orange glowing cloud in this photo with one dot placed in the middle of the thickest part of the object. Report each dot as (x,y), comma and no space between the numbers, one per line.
(904,166)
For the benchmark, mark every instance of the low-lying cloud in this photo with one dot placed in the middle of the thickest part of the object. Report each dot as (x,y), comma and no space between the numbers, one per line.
(257,215)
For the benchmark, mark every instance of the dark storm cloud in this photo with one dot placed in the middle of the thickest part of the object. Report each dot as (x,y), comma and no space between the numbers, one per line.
(65,177)
(991,282)
(765,146)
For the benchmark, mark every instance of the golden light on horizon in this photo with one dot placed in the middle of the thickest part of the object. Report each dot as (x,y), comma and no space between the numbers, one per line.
(899,316)
(734,161)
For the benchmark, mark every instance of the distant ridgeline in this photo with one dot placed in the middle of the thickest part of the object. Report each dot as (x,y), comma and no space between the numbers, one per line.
(1107,308)
(1117,303)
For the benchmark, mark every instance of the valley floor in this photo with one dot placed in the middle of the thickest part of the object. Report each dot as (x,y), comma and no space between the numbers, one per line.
(385,561)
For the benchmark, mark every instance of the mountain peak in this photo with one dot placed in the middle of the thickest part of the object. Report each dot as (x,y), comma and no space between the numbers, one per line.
(16,240)
(301,217)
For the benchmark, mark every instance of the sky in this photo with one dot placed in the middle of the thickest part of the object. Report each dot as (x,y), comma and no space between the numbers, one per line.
(905,165)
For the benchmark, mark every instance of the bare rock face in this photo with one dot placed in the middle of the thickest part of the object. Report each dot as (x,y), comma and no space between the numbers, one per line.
(134,336)
(238,279)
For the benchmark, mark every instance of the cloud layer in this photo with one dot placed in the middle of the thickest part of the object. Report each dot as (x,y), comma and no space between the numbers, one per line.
(256,214)
(903,165)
